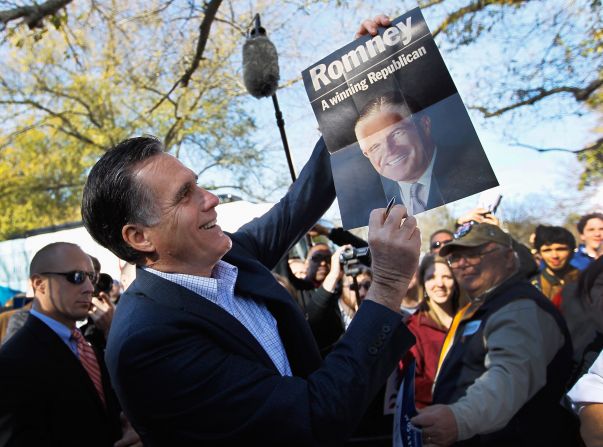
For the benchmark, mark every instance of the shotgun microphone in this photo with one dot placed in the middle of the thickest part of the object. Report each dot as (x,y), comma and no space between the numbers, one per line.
(260,64)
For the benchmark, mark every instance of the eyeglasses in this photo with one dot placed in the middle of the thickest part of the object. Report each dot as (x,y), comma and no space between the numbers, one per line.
(319,257)
(76,277)
(361,285)
(437,244)
(471,258)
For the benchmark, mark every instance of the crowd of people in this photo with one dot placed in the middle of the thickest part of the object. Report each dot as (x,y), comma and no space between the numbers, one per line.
(484,327)
(491,318)
(222,339)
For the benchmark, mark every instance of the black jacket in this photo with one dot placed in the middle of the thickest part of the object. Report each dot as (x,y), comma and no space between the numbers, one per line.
(47,397)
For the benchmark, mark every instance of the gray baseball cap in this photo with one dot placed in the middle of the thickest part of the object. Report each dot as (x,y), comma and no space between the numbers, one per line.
(474,234)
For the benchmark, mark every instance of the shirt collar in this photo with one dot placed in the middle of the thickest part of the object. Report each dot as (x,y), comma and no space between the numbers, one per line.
(223,276)
(58,328)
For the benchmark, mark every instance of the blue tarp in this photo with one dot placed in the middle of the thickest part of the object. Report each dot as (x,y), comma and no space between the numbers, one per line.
(6,293)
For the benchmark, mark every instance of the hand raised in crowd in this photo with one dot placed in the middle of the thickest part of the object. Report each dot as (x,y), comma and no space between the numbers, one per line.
(479,215)
(370,26)
(102,312)
(336,272)
(438,425)
(395,244)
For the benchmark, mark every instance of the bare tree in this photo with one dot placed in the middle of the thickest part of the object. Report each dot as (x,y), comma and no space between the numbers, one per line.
(32,15)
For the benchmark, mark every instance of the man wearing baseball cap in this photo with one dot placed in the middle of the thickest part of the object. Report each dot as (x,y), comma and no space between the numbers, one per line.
(506,358)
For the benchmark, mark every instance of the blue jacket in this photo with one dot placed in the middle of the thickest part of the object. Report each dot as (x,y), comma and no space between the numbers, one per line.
(580,259)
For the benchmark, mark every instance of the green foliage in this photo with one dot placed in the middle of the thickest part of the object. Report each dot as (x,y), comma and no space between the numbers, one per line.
(70,91)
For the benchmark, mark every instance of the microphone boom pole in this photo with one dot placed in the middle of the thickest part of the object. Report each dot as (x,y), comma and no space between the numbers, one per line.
(280,122)
(261,74)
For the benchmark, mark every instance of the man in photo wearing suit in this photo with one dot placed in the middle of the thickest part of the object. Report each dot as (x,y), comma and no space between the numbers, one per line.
(397,137)
(55,387)
(206,347)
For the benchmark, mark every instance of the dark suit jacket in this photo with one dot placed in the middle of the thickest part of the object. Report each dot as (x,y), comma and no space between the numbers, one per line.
(188,373)
(47,397)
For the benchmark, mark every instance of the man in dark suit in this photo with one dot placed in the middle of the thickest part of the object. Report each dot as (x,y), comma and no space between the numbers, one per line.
(206,347)
(55,387)
(421,170)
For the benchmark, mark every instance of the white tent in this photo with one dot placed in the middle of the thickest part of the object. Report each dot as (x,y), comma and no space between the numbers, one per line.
(16,254)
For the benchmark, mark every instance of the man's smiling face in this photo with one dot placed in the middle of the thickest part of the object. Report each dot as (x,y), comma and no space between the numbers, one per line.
(394,144)
(186,238)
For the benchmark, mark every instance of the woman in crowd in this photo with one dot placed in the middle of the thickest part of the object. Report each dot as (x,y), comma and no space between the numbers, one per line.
(441,300)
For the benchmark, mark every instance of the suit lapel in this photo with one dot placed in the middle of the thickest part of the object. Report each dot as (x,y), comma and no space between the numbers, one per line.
(177,297)
(256,282)
(391,189)
(60,353)
(435,191)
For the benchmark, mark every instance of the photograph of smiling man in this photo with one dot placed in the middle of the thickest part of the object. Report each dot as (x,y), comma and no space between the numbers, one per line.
(395,124)
(423,157)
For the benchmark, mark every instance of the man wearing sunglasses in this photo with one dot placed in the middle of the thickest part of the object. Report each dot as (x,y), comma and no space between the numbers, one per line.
(506,358)
(437,240)
(318,264)
(55,387)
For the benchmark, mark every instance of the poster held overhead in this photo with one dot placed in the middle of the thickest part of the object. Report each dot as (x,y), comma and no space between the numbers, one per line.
(394,123)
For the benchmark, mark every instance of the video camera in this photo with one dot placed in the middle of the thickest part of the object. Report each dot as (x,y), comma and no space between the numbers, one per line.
(351,258)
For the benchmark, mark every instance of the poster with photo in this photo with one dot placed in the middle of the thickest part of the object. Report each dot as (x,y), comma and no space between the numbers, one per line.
(395,124)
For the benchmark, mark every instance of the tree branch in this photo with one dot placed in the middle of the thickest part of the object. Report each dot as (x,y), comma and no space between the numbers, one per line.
(595,146)
(10,190)
(428,3)
(473,7)
(580,94)
(33,15)
(70,130)
(210,14)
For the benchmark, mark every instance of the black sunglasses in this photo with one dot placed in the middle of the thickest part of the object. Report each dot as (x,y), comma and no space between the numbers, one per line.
(437,244)
(75,277)
(319,257)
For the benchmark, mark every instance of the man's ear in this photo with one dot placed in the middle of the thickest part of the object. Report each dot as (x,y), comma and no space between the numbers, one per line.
(425,123)
(38,284)
(512,259)
(137,237)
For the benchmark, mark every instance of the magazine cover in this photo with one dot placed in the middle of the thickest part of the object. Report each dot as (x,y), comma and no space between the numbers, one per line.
(395,124)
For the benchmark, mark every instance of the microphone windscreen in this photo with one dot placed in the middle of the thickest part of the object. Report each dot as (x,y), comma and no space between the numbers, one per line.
(260,66)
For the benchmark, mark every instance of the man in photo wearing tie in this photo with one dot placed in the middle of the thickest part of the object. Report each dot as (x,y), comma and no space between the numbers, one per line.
(55,387)
(397,136)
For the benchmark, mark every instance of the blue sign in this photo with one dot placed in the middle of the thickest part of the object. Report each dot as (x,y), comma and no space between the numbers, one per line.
(405,433)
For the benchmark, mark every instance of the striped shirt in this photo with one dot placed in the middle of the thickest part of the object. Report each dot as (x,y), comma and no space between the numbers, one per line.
(219,289)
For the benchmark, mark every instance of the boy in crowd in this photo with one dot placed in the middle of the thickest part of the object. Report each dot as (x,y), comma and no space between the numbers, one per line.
(555,246)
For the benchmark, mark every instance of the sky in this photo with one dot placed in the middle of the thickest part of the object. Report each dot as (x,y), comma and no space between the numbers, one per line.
(522,173)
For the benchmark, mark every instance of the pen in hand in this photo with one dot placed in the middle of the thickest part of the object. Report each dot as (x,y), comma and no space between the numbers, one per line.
(390,205)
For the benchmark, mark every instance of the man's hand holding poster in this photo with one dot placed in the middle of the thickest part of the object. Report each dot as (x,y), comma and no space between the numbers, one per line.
(395,124)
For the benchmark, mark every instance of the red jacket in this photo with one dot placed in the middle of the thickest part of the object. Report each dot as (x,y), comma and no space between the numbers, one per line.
(430,339)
